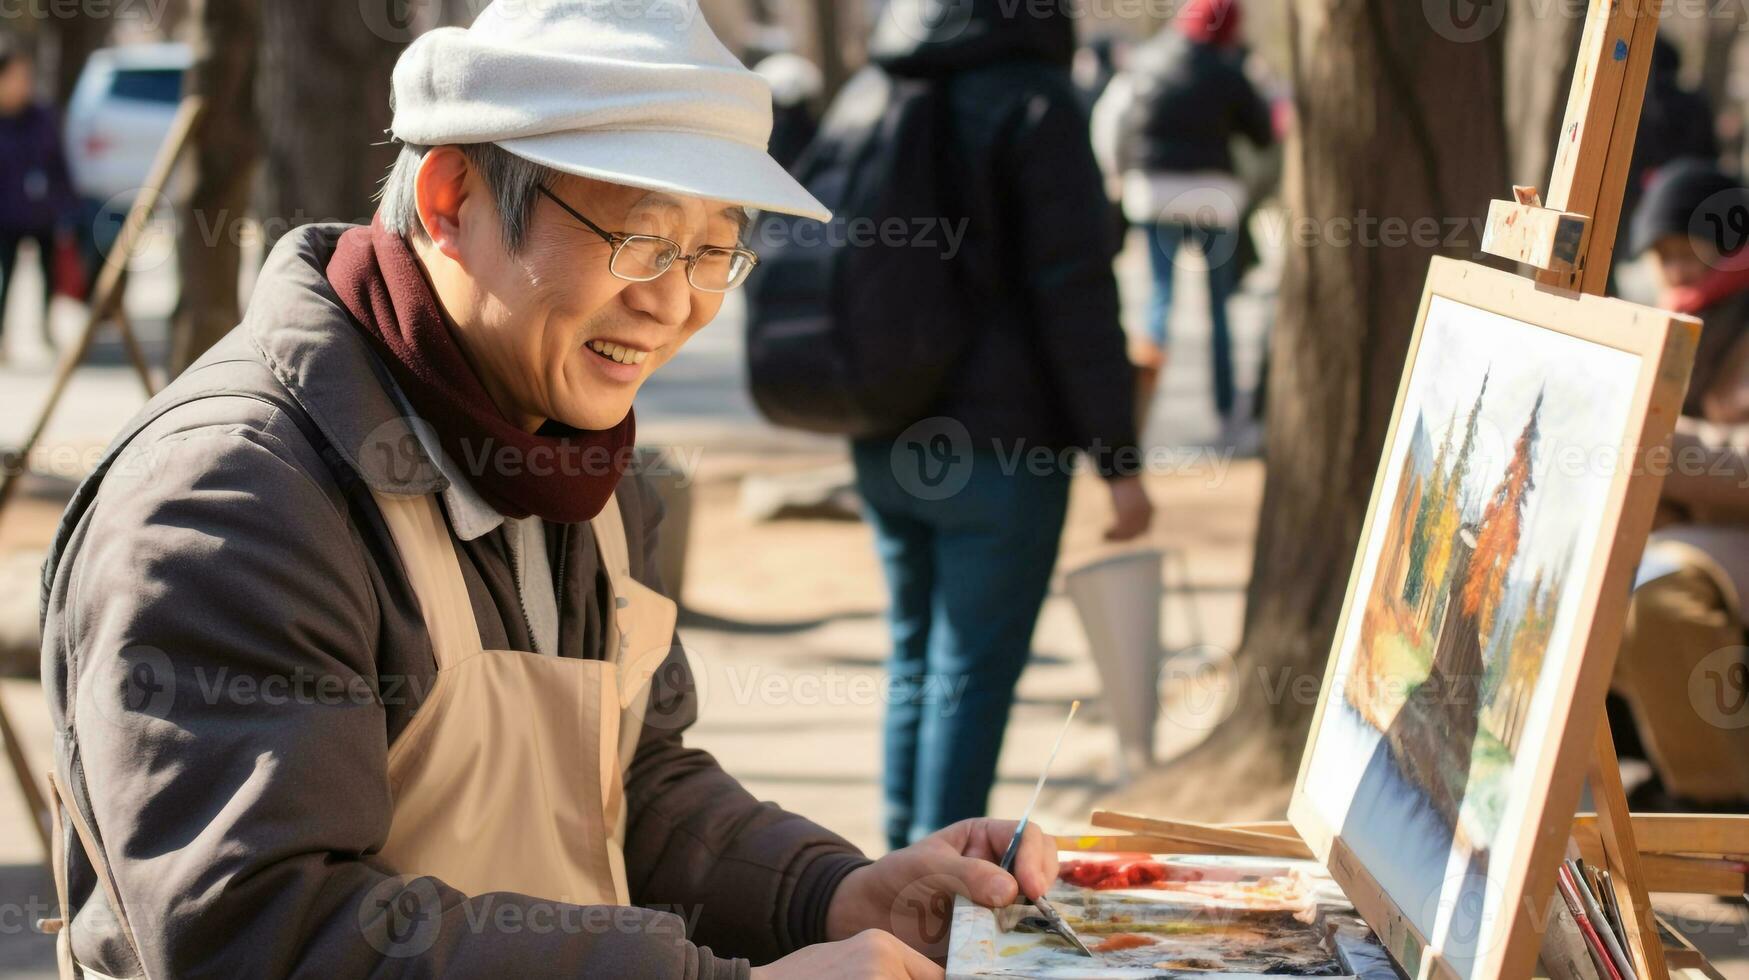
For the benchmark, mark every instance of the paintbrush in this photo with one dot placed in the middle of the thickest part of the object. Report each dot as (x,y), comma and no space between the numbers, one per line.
(1045,908)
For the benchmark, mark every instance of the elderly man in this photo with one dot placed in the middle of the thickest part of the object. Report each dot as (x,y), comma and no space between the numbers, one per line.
(358,660)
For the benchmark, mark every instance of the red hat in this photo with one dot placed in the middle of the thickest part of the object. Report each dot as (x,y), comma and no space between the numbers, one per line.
(1210,22)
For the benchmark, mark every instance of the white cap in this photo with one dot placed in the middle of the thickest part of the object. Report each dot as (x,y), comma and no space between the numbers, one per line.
(639,93)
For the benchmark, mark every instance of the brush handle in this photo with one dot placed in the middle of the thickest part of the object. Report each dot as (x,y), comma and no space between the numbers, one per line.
(1014,846)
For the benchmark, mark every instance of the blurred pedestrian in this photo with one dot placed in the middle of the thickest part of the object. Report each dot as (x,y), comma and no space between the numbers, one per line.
(1166,126)
(37,204)
(1676,123)
(1025,365)
(1094,67)
(1694,219)
(1681,662)
(796,87)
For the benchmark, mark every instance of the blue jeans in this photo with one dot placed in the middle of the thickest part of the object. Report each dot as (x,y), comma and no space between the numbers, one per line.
(1218,246)
(966,576)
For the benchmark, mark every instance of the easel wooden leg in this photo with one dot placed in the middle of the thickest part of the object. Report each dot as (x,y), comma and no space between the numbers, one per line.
(106,298)
(1597,133)
(1590,171)
(70,360)
(105,304)
(27,785)
(131,343)
(1622,858)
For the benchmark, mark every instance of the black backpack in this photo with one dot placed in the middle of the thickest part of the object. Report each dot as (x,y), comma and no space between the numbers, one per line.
(853,328)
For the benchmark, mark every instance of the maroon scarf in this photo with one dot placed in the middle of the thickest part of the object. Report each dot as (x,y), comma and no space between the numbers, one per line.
(562,474)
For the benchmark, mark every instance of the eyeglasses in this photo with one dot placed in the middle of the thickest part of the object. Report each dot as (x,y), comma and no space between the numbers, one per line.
(642,258)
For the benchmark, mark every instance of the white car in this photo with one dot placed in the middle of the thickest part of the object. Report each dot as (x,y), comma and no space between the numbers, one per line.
(119,114)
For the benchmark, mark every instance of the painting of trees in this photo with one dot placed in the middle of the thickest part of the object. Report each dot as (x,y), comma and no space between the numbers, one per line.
(1497,541)
(1432,504)
(1452,504)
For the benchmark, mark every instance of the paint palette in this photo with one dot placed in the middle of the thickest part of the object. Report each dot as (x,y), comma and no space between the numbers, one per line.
(1161,917)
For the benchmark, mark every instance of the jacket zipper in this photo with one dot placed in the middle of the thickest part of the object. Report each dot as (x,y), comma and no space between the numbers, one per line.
(559,581)
(518,559)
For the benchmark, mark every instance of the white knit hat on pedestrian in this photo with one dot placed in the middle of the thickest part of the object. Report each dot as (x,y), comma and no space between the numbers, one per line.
(636,92)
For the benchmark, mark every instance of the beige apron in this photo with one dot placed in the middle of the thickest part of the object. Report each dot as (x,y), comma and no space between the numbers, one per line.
(510,777)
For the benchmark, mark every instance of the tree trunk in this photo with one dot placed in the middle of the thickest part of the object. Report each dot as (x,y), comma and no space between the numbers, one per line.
(172,16)
(818,37)
(222,163)
(1724,29)
(324,93)
(75,38)
(1542,43)
(1417,108)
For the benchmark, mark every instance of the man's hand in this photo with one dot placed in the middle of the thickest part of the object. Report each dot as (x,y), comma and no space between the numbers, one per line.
(869,955)
(1132,512)
(910,892)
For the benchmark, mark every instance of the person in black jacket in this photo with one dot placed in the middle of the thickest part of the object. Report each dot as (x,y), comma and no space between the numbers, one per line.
(796,86)
(1166,125)
(1675,124)
(968,505)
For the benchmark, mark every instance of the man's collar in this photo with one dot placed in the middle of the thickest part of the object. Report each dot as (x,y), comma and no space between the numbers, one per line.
(311,344)
(470,516)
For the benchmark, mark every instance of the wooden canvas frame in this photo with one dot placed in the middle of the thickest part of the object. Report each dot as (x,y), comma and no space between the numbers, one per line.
(1664,343)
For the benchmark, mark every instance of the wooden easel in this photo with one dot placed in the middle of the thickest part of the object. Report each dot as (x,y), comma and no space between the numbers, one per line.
(1693,854)
(1569,239)
(1570,242)
(106,306)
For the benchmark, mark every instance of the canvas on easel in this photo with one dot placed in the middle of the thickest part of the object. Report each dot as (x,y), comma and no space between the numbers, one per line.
(1465,684)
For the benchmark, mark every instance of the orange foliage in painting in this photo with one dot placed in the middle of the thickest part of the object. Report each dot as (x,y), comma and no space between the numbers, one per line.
(1497,539)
